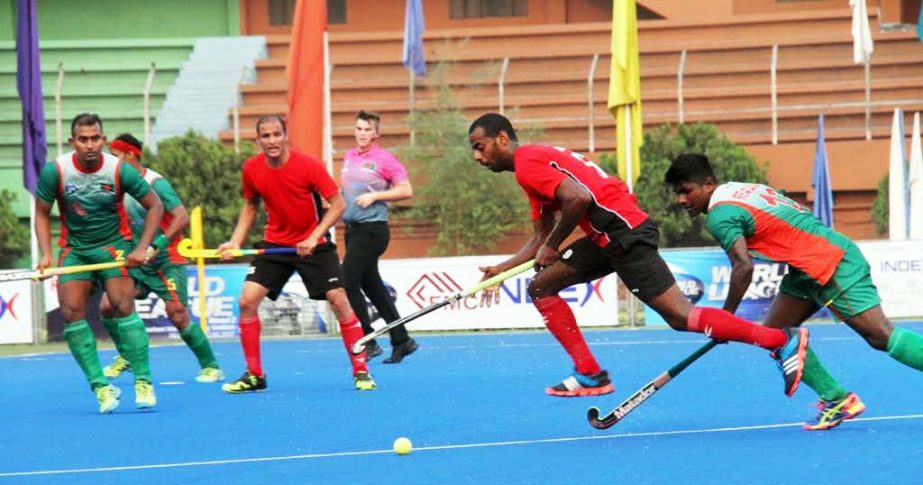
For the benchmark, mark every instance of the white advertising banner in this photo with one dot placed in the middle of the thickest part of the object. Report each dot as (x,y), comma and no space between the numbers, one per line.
(418,283)
(897,270)
(16,312)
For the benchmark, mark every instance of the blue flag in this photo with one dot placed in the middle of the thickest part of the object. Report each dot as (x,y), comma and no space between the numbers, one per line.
(820,180)
(413,38)
(29,84)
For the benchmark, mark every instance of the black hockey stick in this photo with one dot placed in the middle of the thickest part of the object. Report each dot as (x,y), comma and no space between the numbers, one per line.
(646,392)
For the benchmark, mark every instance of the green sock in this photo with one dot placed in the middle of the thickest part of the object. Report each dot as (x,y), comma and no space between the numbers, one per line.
(818,378)
(906,347)
(134,341)
(82,345)
(197,341)
(112,327)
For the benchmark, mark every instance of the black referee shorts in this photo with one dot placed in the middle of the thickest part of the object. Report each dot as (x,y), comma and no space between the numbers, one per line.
(320,272)
(634,258)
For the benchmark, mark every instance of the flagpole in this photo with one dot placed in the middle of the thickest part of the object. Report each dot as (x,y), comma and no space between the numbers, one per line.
(629,162)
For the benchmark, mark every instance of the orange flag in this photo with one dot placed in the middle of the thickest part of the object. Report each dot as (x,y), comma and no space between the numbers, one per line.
(305,74)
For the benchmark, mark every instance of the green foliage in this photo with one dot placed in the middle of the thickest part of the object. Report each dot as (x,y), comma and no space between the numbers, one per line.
(470,207)
(14,235)
(207,173)
(662,145)
(880,212)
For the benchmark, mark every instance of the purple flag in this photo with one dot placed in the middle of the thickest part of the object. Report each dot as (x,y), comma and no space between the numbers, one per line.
(29,84)
(413,38)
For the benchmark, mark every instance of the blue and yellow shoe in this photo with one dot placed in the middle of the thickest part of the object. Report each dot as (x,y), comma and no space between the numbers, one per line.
(108,397)
(247,383)
(577,385)
(791,356)
(832,413)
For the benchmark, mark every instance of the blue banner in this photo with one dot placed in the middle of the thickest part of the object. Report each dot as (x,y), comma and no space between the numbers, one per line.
(704,276)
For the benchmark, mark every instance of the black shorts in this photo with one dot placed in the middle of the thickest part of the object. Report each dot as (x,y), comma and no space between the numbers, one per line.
(320,272)
(634,258)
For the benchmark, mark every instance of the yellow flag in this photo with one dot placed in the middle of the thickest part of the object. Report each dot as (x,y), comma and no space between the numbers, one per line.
(624,100)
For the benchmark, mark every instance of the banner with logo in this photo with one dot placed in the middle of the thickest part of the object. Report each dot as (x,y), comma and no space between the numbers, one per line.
(16,312)
(418,283)
(897,270)
(704,276)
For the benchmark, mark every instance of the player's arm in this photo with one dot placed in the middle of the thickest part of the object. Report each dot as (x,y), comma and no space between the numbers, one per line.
(399,191)
(154,207)
(172,205)
(541,227)
(336,205)
(741,274)
(245,221)
(43,232)
(575,201)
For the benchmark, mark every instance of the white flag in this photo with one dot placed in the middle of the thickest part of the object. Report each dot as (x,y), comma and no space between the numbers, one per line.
(897,203)
(915,180)
(861,34)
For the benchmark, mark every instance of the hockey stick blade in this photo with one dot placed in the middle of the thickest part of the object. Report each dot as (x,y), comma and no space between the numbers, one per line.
(360,344)
(186,250)
(645,393)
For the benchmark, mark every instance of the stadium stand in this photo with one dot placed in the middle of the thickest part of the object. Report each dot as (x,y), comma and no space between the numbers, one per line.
(101,76)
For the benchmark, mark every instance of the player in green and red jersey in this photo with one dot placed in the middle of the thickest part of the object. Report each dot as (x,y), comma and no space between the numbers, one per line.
(89,187)
(825,269)
(165,274)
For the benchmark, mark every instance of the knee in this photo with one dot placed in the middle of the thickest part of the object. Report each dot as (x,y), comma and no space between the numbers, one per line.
(72,314)
(248,306)
(538,290)
(105,308)
(878,339)
(122,308)
(179,317)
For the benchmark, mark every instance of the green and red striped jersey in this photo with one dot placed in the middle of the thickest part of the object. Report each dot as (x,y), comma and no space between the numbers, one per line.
(776,228)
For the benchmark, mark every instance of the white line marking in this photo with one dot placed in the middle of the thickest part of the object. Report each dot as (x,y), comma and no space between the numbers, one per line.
(437,448)
(171,383)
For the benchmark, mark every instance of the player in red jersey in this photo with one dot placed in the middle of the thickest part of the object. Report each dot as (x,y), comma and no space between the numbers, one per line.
(565,190)
(292,186)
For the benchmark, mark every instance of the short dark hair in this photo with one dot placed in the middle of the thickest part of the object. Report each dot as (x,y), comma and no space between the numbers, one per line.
(493,124)
(268,118)
(370,116)
(86,119)
(691,167)
(131,140)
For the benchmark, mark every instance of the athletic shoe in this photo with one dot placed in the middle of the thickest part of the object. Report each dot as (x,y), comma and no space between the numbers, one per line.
(144,395)
(247,383)
(209,375)
(398,352)
(372,350)
(577,384)
(117,367)
(108,397)
(364,381)
(790,358)
(832,413)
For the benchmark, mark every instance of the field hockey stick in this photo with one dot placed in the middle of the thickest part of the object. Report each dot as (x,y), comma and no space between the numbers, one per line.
(61,270)
(647,391)
(360,344)
(185,249)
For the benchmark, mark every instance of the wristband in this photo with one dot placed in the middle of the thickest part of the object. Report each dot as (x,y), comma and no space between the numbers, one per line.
(160,242)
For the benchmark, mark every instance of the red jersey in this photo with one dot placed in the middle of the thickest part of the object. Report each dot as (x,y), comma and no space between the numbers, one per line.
(291,194)
(540,169)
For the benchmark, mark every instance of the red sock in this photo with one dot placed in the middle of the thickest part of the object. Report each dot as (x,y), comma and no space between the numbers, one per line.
(351,331)
(561,323)
(250,340)
(721,325)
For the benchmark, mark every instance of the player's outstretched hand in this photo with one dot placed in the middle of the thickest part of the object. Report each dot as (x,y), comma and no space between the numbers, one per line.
(226,250)
(492,293)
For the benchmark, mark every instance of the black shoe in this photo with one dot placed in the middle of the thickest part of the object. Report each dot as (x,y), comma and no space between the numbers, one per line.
(372,350)
(398,352)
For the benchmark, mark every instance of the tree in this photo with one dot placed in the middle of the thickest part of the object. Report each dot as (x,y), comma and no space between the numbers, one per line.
(207,173)
(661,146)
(880,213)
(470,208)
(14,236)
